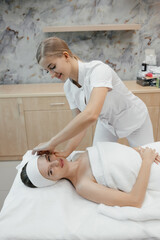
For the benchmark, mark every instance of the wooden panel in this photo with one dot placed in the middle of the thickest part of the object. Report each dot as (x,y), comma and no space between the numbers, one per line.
(154,115)
(150,99)
(12,127)
(158,130)
(123,141)
(12,158)
(43,125)
(45,103)
(87,140)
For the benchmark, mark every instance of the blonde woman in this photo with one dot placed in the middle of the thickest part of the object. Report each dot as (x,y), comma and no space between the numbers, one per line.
(95,93)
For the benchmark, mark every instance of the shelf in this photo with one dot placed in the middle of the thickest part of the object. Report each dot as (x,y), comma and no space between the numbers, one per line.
(108,27)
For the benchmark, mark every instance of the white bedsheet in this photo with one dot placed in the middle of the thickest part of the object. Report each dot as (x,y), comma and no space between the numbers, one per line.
(58,213)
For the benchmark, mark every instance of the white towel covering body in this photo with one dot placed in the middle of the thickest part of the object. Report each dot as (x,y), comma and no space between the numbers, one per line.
(117,166)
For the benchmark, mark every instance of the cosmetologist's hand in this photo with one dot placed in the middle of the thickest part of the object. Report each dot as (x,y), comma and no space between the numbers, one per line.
(64,153)
(44,148)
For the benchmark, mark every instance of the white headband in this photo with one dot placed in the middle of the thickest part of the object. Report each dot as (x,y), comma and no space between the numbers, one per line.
(33,172)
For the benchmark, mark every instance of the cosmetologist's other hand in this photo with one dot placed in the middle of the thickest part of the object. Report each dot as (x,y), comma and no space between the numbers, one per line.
(64,153)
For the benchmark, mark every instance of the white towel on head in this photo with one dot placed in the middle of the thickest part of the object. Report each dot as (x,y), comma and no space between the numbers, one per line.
(32,170)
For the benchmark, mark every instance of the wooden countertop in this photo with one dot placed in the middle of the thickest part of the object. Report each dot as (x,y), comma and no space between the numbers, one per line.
(136,88)
(31,90)
(56,89)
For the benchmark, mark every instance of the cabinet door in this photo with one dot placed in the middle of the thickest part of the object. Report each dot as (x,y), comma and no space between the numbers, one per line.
(154,115)
(12,128)
(158,132)
(152,102)
(43,125)
(45,117)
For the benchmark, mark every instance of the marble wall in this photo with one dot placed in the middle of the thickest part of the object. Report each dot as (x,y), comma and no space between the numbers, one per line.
(21,23)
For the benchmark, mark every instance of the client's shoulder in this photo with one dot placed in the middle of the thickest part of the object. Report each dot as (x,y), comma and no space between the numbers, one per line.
(84,173)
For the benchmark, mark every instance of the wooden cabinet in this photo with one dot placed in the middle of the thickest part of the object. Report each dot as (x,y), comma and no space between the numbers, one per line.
(12,129)
(158,133)
(152,100)
(45,117)
(33,113)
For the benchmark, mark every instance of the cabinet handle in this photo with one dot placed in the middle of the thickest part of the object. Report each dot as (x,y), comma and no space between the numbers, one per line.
(56,104)
(19,106)
(19,109)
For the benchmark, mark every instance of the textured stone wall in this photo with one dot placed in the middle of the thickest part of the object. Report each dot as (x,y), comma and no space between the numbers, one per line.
(22,21)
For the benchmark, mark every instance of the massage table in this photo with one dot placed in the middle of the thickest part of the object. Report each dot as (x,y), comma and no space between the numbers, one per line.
(59,213)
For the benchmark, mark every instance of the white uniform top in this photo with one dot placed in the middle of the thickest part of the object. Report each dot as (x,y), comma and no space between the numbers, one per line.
(122,112)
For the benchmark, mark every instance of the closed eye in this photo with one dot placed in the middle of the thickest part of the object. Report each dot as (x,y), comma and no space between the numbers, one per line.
(52,68)
(50,172)
(47,158)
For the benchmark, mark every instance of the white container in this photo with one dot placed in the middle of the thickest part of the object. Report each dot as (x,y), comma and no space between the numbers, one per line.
(150,57)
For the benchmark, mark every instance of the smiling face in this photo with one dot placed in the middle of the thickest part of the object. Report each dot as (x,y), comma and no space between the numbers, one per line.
(58,67)
(52,167)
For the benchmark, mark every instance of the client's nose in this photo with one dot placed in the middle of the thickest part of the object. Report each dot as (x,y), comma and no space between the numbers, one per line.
(54,163)
(53,157)
(53,74)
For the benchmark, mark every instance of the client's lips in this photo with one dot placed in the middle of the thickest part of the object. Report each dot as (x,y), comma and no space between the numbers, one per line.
(59,75)
(61,163)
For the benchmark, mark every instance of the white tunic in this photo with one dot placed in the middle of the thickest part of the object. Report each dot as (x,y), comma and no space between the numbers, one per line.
(122,112)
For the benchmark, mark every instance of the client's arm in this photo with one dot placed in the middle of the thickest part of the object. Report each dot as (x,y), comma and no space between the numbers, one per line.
(141,149)
(101,194)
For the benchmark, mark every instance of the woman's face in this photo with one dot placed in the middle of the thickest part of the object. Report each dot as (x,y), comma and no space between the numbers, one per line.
(58,67)
(52,167)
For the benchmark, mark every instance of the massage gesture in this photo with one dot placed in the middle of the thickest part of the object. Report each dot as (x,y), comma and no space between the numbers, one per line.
(43,148)
(48,148)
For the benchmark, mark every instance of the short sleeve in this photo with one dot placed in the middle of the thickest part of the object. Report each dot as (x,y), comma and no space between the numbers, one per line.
(101,76)
(69,92)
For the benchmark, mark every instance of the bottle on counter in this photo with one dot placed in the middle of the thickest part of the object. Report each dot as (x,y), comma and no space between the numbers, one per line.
(144,66)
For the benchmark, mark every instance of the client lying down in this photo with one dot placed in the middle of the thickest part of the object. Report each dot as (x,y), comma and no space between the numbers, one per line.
(108,173)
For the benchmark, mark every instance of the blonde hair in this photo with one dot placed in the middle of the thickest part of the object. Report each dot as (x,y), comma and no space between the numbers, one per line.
(53,46)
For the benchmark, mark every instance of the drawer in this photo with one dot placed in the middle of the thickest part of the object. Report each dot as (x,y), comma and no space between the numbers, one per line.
(45,103)
(150,99)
